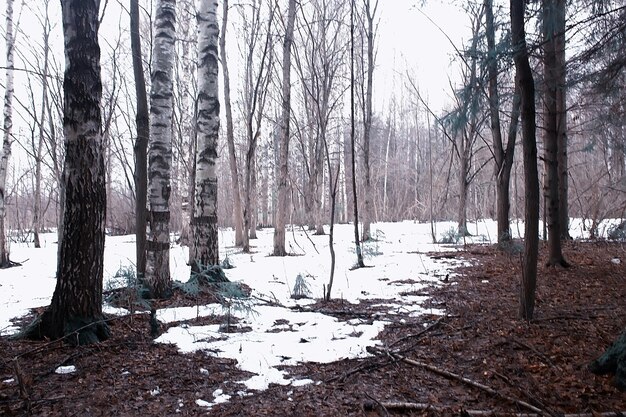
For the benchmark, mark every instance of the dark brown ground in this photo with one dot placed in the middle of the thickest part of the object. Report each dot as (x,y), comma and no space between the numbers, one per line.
(544,363)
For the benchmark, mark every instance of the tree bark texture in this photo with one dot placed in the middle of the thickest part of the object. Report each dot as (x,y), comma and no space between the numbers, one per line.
(283,157)
(561,109)
(160,152)
(551,132)
(526,84)
(7,134)
(230,136)
(205,233)
(142,119)
(76,306)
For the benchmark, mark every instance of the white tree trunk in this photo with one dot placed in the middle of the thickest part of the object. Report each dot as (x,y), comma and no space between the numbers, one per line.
(8,126)
(160,152)
(208,123)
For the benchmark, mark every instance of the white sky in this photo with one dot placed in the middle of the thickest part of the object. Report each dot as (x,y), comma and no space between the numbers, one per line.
(410,43)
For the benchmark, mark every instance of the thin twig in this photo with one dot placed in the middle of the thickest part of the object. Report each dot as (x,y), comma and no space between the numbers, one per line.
(378,403)
(408,406)
(419,334)
(452,375)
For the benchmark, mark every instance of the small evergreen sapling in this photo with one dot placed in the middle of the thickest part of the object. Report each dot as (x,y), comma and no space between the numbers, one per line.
(301,288)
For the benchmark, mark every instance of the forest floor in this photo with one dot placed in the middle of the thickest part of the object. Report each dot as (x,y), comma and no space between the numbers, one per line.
(521,367)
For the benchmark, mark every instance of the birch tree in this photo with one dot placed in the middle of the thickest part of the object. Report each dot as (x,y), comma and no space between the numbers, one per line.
(76,306)
(204,222)
(7,132)
(160,152)
(283,163)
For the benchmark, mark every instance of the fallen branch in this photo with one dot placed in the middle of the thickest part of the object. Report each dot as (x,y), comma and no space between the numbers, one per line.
(452,375)
(406,406)
(418,334)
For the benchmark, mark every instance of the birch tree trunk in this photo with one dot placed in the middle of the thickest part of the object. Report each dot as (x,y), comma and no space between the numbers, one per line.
(76,306)
(7,138)
(205,248)
(160,152)
(283,158)
(230,136)
(526,85)
(142,120)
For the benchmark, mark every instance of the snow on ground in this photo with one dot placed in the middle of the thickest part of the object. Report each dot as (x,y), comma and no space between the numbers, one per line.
(278,334)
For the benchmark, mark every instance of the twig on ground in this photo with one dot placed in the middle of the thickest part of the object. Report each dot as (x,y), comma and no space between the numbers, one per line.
(378,403)
(418,334)
(407,406)
(452,375)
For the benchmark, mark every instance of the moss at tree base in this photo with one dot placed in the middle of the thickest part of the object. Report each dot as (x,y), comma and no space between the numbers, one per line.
(77,331)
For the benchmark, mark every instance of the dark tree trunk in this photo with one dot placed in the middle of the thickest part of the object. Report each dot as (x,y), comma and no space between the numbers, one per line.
(561,108)
(526,85)
(613,360)
(355,206)
(551,133)
(141,143)
(503,157)
(76,307)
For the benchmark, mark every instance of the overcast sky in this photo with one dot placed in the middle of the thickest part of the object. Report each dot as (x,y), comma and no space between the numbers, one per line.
(410,43)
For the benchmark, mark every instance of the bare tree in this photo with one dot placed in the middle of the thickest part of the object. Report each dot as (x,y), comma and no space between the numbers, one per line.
(355,205)
(283,162)
(256,81)
(142,121)
(205,248)
(38,147)
(157,277)
(553,97)
(230,134)
(503,156)
(370,15)
(319,70)
(525,83)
